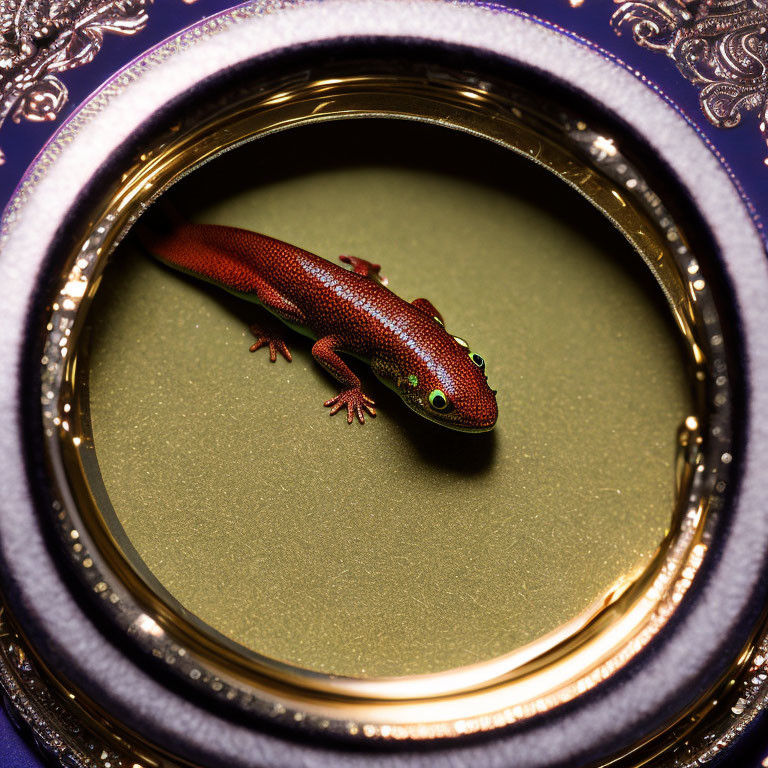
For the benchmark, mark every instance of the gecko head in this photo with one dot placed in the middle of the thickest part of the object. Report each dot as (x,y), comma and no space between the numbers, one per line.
(449,386)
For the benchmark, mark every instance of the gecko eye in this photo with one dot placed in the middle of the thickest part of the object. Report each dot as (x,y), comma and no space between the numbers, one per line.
(477,360)
(438,400)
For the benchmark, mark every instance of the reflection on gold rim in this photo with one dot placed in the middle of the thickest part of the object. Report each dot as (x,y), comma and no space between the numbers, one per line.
(541,675)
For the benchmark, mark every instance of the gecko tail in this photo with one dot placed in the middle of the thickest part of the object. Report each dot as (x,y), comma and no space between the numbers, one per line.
(159,223)
(225,256)
(170,213)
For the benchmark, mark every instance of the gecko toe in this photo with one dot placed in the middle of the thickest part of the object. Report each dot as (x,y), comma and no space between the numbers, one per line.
(356,403)
(276,344)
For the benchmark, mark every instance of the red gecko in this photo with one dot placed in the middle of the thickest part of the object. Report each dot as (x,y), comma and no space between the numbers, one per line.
(344,310)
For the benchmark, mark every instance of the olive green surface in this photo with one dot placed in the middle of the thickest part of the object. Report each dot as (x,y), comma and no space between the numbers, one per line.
(396,547)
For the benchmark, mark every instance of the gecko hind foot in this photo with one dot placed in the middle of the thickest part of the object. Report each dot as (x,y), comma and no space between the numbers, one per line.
(276,344)
(365,268)
(356,402)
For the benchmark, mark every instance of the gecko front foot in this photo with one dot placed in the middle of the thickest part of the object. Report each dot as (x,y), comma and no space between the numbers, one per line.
(357,404)
(276,344)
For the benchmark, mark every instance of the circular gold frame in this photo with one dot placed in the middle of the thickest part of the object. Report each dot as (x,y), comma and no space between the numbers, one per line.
(528,681)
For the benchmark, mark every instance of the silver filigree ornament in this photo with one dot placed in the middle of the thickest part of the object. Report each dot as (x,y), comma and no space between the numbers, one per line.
(41,38)
(719,45)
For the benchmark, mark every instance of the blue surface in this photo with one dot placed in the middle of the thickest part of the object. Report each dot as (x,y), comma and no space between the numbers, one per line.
(14,751)
(22,141)
(742,148)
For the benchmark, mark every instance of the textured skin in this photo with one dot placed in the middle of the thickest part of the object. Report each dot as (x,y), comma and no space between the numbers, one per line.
(345,310)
